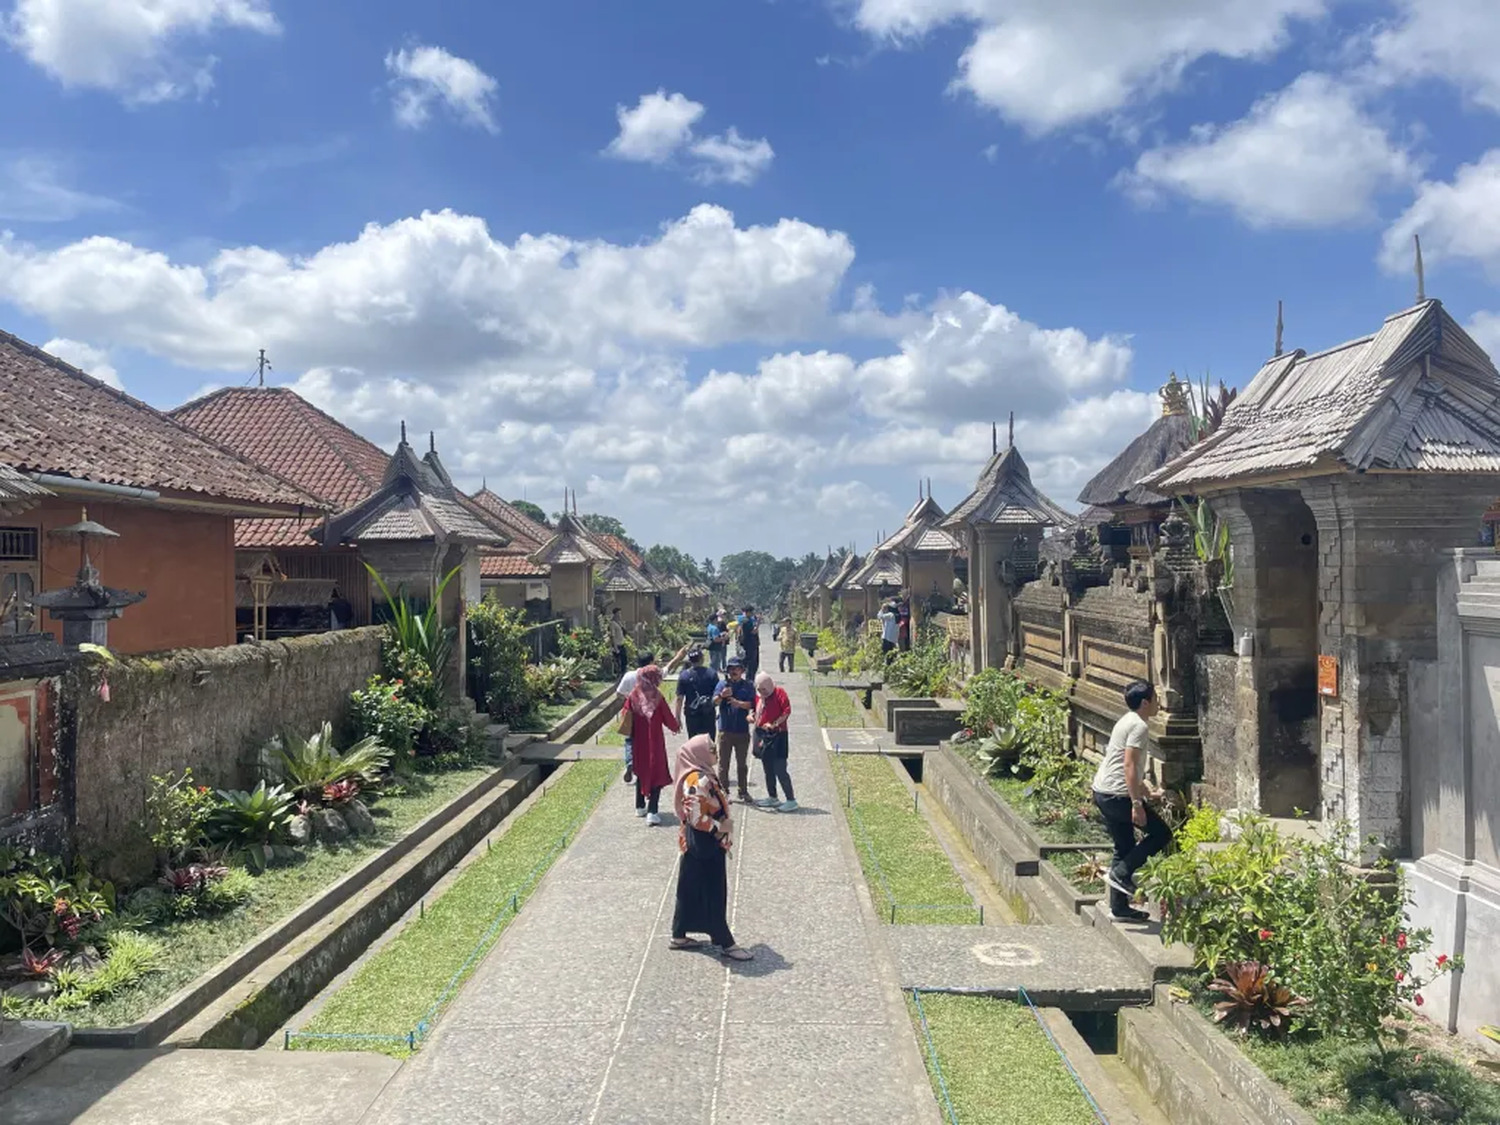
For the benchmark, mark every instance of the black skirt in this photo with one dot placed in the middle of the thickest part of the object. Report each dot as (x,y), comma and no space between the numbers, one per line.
(703,889)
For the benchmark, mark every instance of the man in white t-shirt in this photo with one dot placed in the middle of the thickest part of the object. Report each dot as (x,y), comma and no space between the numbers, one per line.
(623,690)
(1120,791)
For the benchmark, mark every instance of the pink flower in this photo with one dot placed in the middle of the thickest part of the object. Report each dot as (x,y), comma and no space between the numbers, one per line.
(1265,935)
(1400,976)
(1401,940)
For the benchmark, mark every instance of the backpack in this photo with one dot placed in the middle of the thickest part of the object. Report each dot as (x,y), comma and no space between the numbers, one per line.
(701,702)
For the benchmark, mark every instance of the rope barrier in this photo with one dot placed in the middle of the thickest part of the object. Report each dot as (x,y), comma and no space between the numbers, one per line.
(869,847)
(1021,996)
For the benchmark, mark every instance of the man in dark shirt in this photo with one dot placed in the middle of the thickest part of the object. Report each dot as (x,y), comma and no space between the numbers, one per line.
(696,688)
(750,638)
(340,612)
(736,697)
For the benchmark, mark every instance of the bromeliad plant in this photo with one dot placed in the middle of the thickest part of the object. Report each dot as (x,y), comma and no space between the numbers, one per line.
(249,825)
(310,765)
(1254,999)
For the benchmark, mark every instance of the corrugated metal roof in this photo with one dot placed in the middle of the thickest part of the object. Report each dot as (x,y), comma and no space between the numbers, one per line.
(1418,395)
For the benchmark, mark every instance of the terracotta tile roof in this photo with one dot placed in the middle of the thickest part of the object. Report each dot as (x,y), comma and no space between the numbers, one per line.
(56,419)
(524,531)
(505,564)
(618,546)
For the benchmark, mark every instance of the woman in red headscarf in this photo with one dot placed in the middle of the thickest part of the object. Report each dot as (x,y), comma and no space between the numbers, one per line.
(649,711)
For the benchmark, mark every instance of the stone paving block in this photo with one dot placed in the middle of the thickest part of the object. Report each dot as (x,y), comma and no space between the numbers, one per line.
(663,1070)
(540,1075)
(1069,967)
(829,1074)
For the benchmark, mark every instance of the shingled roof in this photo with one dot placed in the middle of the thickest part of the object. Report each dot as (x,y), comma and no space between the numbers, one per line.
(1417,396)
(922,530)
(843,579)
(278,429)
(1005,495)
(570,542)
(416,501)
(882,568)
(57,420)
(620,576)
(525,533)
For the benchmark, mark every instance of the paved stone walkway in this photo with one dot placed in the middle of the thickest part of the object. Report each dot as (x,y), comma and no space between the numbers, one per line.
(582,1014)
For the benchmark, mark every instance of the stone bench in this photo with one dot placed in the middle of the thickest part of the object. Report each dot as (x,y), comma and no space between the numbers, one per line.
(927,726)
(892,705)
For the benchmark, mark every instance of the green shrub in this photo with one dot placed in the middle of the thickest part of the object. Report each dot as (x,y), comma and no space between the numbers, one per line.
(499,653)
(418,640)
(176,811)
(992,696)
(1337,938)
(42,901)
(1204,825)
(384,710)
(925,671)
(130,957)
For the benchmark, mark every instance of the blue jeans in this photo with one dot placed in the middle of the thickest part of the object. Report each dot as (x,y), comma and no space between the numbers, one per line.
(629,753)
(716,658)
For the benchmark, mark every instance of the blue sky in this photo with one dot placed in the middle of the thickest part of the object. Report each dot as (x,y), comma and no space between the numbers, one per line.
(782,257)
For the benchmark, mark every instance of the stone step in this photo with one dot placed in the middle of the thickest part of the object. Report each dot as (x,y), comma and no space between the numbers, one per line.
(1487,567)
(1176,1079)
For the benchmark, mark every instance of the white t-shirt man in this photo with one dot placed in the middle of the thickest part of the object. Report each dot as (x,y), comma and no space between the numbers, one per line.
(1109,778)
(890,626)
(627,683)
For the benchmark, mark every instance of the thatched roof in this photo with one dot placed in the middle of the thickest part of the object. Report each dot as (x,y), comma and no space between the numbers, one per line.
(1119,482)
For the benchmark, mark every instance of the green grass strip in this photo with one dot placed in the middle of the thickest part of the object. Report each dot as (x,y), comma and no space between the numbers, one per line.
(393,991)
(836,708)
(998,1065)
(917,870)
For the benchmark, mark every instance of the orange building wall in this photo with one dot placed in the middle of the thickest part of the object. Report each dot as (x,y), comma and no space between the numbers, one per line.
(183,560)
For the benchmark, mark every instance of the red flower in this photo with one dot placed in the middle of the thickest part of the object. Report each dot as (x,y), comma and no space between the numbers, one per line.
(203,788)
(1382,939)
(1265,935)
(1442,960)
(1419,1000)
(1401,940)
(1400,976)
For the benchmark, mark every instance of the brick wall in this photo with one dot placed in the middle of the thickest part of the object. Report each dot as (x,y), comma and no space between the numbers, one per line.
(210,709)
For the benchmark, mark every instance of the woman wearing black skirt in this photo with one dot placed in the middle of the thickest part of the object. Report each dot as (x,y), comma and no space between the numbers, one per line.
(704,839)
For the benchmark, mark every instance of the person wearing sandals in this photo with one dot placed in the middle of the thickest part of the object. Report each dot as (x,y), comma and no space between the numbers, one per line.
(703,838)
(773,711)
(650,713)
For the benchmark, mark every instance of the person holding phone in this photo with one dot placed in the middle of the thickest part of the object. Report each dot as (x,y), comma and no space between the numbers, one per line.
(736,700)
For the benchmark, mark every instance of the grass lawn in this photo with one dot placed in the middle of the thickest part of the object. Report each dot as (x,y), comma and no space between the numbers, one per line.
(917,870)
(1350,1082)
(837,708)
(397,986)
(543,718)
(997,1062)
(196,945)
(1071,828)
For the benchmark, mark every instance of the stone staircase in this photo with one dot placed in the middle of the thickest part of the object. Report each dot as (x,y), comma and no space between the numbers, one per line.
(1481,592)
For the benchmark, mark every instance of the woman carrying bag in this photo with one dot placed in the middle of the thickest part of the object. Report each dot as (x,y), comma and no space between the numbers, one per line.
(773,712)
(646,712)
(703,839)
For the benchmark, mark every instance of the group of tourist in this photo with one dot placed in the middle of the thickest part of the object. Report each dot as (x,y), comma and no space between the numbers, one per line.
(734,636)
(728,716)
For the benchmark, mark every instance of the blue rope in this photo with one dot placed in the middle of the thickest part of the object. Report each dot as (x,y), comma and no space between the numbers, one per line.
(937,1066)
(1056,1046)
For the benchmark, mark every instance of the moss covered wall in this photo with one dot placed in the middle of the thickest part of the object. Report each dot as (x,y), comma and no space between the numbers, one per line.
(210,709)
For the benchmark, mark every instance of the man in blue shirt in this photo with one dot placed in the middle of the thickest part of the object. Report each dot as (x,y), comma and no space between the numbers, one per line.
(697,687)
(736,697)
(716,644)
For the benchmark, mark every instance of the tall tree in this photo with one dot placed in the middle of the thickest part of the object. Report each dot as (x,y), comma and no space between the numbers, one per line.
(757,578)
(710,572)
(527,508)
(671,560)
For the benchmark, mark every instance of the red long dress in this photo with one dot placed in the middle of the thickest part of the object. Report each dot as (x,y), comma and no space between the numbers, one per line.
(649,746)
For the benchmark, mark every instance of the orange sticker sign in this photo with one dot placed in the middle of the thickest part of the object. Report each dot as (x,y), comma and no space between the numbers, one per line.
(1328,675)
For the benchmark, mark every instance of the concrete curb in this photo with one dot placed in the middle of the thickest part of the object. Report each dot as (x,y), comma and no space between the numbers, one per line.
(1059,884)
(1264,1099)
(1104,1090)
(192,999)
(273,993)
(1142,947)
(28,1045)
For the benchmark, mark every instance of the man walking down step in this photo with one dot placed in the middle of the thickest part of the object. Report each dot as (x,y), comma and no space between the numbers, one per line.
(696,688)
(1120,791)
(623,690)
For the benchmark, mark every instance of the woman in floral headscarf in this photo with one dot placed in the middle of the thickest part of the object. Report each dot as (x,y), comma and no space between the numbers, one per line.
(704,840)
(649,711)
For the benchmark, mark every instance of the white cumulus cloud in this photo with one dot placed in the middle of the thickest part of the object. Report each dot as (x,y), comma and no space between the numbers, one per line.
(94,361)
(1454,41)
(423,77)
(659,129)
(1456,220)
(1308,155)
(1046,65)
(131,48)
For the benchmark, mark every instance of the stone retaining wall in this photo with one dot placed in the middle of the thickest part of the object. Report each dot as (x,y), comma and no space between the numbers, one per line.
(210,709)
